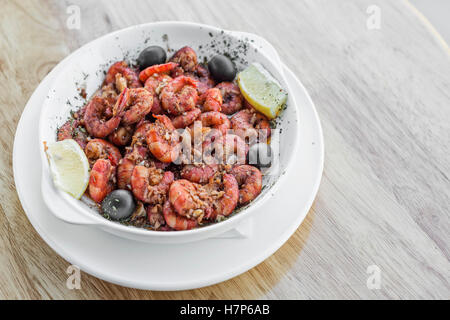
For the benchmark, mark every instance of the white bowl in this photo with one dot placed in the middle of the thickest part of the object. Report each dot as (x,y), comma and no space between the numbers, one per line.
(85,68)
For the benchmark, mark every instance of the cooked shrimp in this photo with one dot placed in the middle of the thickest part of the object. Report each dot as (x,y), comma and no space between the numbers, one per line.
(139,149)
(199,132)
(95,120)
(201,75)
(212,100)
(150,185)
(186,58)
(121,136)
(154,85)
(137,155)
(122,76)
(200,137)
(175,220)
(101,149)
(140,134)
(186,119)
(155,216)
(228,149)
(249,179)
(216,120)
(162,139)
(101,180)
(156,69)
(205,79)
(124,172)
(232,97)
(251,124)
(137,103)
(179,95)
(234,146)
(156,82)
(109,93)
(152,162)
(199,173)
(189,199)
(224,191)
(73,129)
(157,108)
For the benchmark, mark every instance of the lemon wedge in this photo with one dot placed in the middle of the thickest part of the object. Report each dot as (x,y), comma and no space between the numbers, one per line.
(69,167)
(262,90)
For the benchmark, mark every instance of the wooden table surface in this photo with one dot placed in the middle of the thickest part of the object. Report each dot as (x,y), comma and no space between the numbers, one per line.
(383,96)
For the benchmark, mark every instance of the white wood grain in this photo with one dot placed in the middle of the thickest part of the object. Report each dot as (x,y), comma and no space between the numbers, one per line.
(383,97)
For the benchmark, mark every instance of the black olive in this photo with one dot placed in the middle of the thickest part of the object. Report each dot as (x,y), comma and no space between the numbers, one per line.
(151,56)
(222,68)
(119,204)
(260,155)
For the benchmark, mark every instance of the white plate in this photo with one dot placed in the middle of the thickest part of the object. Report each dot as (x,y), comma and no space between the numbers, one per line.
(171,267)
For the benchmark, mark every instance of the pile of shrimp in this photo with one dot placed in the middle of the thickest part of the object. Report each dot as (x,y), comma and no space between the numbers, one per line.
(130,132)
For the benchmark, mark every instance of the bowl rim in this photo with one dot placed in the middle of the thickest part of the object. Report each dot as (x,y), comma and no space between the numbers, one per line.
(98,220)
